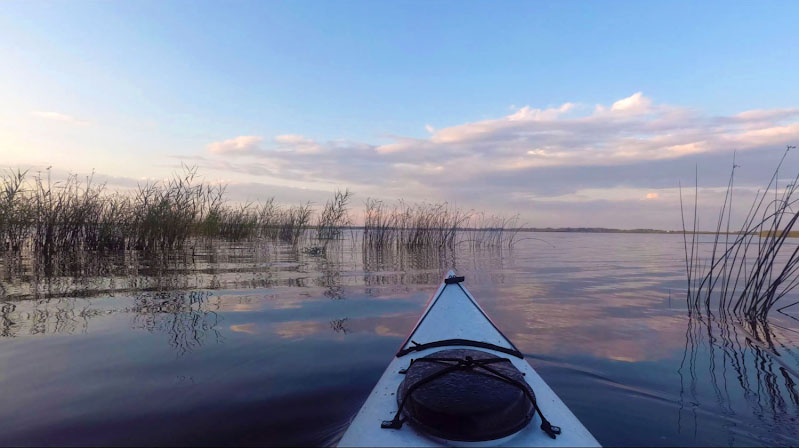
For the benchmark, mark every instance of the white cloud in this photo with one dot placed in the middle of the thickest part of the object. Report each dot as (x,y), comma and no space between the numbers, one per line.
(757,115)
(243,144)
(636,103)
(252,145)
(552,150)
(430,129)
(299,144)
(57,116)
(293,139)
(527,113)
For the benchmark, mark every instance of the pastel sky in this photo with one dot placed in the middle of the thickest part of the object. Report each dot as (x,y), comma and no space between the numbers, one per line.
(567,113)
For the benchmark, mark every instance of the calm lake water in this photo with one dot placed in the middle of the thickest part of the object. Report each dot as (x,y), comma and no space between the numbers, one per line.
(263,344)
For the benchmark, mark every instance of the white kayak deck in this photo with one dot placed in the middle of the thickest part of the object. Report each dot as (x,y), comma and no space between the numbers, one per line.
(452,313)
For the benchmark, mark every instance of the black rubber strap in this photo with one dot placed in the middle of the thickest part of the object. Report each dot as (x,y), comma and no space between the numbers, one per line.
(460,364)
(550,429)
(396,422)
(453,342)
(467,364)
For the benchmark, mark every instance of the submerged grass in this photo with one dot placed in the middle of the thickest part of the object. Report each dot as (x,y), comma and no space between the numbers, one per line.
(749,271)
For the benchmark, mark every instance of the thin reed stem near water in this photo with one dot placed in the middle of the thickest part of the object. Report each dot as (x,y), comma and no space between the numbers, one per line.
(755,268)
(334,216)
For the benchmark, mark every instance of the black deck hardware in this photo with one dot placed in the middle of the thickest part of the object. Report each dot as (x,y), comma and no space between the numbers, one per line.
(455,342)
(499,403)
(392,424)
(454,280)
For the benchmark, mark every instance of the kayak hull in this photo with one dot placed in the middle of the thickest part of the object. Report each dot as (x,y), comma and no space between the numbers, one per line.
(452,313)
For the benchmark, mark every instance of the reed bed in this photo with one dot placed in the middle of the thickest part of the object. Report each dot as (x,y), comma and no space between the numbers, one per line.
(403,226)
(485,230)
(15,213)
(334,217)
(749,270)
(78,214)
(293,221)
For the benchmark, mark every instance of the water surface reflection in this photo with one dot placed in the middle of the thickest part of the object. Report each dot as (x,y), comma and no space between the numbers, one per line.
(269,344)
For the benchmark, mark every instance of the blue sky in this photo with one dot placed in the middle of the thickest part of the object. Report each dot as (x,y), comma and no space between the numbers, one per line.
(371,90)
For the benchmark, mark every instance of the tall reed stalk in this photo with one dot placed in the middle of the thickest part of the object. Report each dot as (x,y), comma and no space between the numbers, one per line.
(334,216)
(15,211)
(750,270)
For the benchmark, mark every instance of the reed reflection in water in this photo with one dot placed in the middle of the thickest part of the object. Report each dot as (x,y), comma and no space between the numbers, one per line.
(251,343)
(186,317)
(751,367)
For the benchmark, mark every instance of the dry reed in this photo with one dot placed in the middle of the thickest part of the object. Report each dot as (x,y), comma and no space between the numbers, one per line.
(79,214)
(405,225)
(749,270)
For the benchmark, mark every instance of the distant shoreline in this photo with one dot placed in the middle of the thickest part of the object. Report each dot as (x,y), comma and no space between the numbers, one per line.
(587,230)
(765,233)
(606,230)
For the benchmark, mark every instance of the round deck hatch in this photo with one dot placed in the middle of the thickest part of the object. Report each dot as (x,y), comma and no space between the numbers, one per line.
(467,402)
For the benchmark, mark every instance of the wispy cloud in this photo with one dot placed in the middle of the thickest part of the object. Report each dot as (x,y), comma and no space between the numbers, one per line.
(637,103)
(57,116)
(252,145)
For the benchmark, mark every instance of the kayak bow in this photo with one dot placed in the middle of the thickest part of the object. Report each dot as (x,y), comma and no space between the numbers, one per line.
(457,379)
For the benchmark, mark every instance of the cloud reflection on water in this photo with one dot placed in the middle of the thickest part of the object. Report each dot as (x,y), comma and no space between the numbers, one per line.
(593,311)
